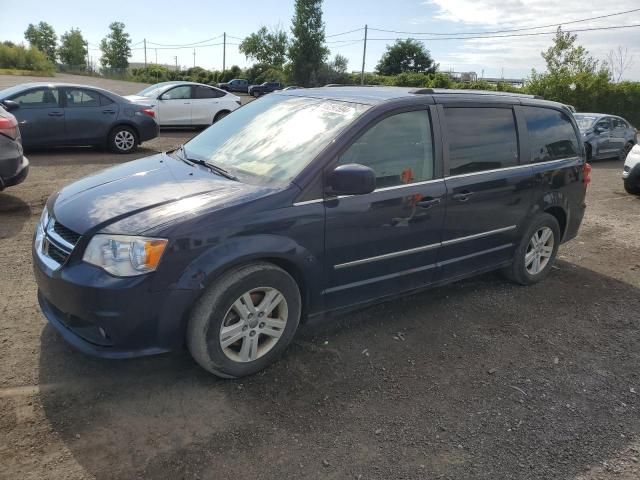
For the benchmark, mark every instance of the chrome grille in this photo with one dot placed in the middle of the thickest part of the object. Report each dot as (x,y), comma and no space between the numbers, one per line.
(67,234)
(57,244)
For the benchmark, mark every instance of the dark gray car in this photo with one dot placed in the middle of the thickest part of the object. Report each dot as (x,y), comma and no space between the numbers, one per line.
(56,114)
(605,136)
(14,166)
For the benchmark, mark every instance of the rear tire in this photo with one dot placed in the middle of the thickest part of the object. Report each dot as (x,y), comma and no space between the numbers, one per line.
(632,186)
(122,139)
(536,253)
(220,115)
(245,320)
(625,151)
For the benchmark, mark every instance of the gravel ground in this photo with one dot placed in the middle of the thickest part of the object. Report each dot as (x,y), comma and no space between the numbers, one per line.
(477,380)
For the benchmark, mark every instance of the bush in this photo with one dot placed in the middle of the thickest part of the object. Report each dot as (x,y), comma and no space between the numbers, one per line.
(19,57)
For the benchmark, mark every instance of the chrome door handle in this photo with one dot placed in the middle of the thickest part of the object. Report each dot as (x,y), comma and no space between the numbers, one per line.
(462,197)
(428,202)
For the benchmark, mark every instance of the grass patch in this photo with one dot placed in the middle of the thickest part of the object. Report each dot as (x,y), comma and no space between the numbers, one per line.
(36,73)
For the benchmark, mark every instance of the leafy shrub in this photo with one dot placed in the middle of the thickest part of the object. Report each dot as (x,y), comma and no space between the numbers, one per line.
(22,58)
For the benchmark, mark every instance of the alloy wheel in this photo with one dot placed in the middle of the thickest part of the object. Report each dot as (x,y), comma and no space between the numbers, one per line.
(253,324)
(539,251)
(124,140)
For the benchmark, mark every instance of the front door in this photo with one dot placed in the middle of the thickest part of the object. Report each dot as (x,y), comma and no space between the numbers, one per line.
(488,191)
(387,241)
(174,106)
(40,116)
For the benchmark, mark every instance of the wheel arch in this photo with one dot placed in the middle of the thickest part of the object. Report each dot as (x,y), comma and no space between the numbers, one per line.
(125,123)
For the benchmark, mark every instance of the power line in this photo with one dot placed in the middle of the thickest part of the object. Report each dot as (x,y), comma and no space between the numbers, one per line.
(184,44)
(510,30)
(532,34)
(344,33)
(347,45)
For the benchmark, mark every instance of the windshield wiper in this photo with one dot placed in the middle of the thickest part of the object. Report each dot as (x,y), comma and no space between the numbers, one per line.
(197,161)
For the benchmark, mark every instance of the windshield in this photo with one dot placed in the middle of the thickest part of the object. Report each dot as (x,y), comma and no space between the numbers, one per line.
(584,121)
(273,138)
(154,90)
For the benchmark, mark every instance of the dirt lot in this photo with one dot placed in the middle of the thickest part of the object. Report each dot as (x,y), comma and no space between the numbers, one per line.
(480,380)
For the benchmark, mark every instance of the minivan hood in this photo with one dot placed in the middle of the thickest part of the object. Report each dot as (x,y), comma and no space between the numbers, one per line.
(136,196)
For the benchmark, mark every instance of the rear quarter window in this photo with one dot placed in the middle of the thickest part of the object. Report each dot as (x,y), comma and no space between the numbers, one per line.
(551,135)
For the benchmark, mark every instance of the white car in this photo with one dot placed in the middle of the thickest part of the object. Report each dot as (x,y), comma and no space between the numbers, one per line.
(186,104)
(631,171)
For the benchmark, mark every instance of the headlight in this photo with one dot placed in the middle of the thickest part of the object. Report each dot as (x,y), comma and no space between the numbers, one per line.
(42,225)
(125,256)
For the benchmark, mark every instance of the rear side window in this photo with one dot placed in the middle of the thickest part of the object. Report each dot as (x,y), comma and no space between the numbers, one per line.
(551,134)
(399,149)
(205,92)
(82,98)
(620,124)
(481,139)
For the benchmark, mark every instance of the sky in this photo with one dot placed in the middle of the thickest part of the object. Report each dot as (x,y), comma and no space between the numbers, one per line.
(165,22)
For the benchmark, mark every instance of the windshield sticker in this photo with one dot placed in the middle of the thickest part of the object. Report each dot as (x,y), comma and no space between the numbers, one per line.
(339,108)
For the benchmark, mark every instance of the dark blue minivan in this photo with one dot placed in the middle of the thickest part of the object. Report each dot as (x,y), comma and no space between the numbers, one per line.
(302,203)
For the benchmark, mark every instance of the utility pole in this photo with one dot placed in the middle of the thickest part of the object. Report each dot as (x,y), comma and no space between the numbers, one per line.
(224,51)
(156,55)
(364,55)
(86,45)
(145,53)
(175,57)
(194,58)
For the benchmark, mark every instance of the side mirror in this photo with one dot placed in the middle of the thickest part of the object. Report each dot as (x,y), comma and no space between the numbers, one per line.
(10,105)
(351,179)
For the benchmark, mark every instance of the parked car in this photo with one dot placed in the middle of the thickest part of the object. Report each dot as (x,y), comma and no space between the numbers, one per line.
(303,204)
(180,104)
(14,166)
(605,136)
(57,114)
(236,85)
(631,171)
(264,88)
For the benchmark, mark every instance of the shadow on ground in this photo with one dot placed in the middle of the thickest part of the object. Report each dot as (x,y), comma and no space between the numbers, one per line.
(481,379)
(15,208)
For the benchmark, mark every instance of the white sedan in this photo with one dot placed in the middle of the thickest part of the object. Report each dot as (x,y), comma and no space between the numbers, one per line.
(184,104)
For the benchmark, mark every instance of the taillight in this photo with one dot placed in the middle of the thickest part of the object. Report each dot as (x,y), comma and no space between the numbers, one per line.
(150,112)
(9,127)
(586,174)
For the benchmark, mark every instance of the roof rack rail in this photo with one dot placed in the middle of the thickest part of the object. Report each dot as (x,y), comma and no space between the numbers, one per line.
(453,91)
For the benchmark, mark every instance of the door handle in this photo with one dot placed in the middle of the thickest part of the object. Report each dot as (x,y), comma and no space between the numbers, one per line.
(55,114)
(187,103)
(462,196)
(428,202)
(108,111)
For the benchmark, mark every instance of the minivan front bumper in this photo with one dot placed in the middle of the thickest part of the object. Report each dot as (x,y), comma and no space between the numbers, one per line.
(111,317)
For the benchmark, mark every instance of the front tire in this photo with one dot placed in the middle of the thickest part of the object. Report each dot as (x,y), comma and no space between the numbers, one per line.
(536,253)
(123,139)
(632,186)
(245,320)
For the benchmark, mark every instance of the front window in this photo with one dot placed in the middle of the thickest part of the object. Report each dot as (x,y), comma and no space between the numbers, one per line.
(584,122)
(272,140)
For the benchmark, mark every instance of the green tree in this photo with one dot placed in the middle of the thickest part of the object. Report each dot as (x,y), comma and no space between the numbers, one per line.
(265,46)
(565,57)
(43,37)
(116,47)
(406,56)
(73,48)
(307,51)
